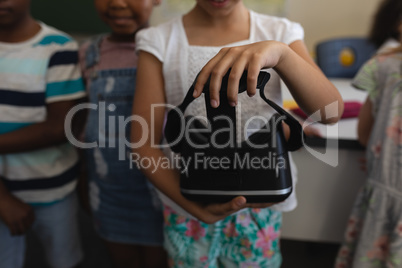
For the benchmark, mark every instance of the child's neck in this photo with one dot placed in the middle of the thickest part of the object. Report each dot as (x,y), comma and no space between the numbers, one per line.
(20,32)
(121,38)
(203,29)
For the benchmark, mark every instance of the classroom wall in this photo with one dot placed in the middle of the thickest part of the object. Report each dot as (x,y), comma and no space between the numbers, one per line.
(172,8)
(323,19)
(71,16)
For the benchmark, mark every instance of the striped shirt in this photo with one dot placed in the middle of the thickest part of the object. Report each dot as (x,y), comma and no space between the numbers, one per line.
(33,73)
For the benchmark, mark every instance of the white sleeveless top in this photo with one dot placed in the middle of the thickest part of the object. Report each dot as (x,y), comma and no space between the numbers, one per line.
(182,62)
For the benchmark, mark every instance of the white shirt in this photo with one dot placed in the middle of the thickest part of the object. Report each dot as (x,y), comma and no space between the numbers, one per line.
(390,43)
(182,62)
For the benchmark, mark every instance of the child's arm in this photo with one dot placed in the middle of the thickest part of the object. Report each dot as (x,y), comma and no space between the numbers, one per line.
(149,91)
(365,122)
(17,215)
(64,89)
(40,135)
(308,85)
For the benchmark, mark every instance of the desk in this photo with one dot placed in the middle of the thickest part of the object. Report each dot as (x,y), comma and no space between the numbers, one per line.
(326,193)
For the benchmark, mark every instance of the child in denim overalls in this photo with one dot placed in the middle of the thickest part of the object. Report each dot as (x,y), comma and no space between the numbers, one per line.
(126,212)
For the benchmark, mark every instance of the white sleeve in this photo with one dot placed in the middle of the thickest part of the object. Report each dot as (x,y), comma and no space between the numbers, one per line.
(285,31)
(151,41)
(276,28)
(293,31)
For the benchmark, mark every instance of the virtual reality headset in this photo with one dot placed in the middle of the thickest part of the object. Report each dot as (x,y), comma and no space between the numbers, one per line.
(216,168)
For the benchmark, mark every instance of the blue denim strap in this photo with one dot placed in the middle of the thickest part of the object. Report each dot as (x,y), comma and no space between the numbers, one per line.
(92,55)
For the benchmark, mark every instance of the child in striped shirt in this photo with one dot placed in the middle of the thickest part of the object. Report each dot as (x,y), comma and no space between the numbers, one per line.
(40,83)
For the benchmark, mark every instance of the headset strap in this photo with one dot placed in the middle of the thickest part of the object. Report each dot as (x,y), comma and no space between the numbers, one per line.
(263,78)
(296,132)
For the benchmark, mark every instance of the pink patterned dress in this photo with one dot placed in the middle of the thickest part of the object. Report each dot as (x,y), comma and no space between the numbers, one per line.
(374,234)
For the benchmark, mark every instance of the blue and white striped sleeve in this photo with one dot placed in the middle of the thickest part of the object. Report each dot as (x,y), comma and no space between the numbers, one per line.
(63,78)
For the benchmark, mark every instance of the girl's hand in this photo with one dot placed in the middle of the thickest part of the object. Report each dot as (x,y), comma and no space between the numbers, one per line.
(312,131)
(215,212)
(253,58)
(292,63)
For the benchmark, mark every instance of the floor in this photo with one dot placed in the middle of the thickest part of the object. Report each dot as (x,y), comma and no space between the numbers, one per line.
(296,254)
(301,254)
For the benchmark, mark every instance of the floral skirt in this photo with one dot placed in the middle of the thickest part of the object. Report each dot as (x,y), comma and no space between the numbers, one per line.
(249,238)
(373,236)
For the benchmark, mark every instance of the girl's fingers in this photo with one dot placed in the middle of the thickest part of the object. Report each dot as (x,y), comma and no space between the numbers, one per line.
(238,59)
(205,73)
(216,69)
(220,211)
(253,70)
(234,78)
(232,206)
(245,61)
(219,71)
(201,80)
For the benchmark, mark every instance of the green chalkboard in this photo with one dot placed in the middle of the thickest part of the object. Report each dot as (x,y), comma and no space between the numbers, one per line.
(72,16)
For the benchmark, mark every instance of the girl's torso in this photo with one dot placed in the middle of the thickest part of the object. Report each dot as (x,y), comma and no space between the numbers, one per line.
(182,62)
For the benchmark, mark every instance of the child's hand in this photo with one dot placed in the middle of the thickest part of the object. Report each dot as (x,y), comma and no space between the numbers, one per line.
(17,215)
(253,58)
(215,212)
(312,131)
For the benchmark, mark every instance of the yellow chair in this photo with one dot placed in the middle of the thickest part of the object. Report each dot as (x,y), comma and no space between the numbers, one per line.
(342,57)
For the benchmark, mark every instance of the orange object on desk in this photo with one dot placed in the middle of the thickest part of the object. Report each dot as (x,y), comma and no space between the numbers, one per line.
(290,104)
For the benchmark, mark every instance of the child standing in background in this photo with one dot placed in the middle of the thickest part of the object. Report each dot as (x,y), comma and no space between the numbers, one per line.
(373,236)
(170,57)
(384,33)
(40,82)
(127,214)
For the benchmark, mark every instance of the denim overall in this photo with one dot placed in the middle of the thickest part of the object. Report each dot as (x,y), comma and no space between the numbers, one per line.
(125,207)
